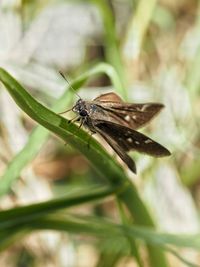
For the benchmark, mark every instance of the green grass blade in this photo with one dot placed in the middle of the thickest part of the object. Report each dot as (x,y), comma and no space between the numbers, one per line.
(112,51)
(100,227)
(138,27)
(20,214)
(132,242)
(7,238)
(177,255)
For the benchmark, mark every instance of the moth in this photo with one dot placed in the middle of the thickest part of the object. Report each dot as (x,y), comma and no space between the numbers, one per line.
(117,122)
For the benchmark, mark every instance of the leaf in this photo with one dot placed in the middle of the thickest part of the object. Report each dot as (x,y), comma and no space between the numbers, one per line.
(18,215)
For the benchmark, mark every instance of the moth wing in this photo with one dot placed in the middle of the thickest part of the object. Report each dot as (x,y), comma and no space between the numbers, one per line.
(121,153)
(130,115)
(128,139)
(108,97)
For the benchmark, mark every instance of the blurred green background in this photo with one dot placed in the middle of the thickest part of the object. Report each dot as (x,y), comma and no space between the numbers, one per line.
(146,51)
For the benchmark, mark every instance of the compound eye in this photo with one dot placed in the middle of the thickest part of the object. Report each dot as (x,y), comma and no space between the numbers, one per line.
(83,113)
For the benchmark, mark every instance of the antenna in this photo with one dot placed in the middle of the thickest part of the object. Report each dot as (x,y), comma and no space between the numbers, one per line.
(63,112)
(69,84)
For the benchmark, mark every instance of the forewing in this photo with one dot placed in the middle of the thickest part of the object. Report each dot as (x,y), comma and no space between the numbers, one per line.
(130,115)
(128,139)
(108,97)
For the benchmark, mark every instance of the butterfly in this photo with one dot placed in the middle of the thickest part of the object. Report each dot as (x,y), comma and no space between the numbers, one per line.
(117,122)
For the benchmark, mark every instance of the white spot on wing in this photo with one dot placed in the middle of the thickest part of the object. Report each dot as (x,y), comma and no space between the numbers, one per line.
(129,140)
(127,118)
(144,107)
(137,143)
(134,117)
(148,141)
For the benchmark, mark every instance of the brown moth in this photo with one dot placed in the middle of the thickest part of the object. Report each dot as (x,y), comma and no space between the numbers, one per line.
(117,121)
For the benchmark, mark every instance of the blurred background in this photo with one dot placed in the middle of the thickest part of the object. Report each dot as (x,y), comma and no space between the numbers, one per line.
(154,46)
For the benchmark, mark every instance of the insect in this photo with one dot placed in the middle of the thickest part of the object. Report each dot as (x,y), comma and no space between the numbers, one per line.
(117,122)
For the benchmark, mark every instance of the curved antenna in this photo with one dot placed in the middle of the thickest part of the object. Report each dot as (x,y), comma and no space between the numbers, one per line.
(63,112)
(69,84)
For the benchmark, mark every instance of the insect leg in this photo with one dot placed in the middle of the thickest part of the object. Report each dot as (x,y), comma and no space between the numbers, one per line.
(77,118)
(82,122)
